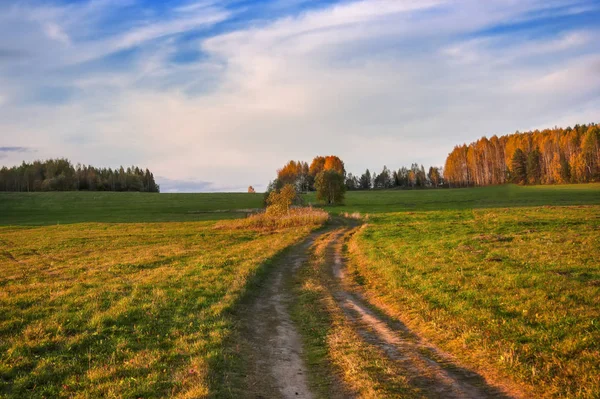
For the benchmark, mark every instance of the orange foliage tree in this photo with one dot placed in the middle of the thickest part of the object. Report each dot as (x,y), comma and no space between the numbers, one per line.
(558,155)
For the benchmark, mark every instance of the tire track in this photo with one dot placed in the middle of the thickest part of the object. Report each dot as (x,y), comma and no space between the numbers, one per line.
(277,366)
(427,368)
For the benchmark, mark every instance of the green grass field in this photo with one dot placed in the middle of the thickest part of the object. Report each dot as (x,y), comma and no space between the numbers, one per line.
(513,290)
(100,296)
(78,207)
(505,278)
(123,310)
(385,201)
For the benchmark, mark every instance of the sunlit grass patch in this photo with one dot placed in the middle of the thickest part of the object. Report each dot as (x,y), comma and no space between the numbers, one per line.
(512,291)
(123,310)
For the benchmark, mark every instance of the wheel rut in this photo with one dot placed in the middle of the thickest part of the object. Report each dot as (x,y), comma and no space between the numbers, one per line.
(278,370)
(428,368)
(275,360)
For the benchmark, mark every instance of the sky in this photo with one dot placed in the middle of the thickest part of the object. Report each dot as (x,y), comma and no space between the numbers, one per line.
(216,95)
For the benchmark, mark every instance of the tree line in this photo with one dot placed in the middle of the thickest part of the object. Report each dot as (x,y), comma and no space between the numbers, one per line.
(405,178)
(303,176)
(550,156)
(327,176)
(61,175)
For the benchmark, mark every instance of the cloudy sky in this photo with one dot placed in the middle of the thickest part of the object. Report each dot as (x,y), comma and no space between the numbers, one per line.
(215,95)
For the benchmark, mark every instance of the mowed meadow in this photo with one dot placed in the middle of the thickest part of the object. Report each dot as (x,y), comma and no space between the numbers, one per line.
(134,295)
(124,309)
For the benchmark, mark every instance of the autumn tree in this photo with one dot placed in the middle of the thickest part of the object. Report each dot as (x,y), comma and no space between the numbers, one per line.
(435,176)
(330,187)
(317,166)
(557,156)
(330,162)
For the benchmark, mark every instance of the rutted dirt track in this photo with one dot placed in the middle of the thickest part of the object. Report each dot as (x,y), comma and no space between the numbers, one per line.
(278,369)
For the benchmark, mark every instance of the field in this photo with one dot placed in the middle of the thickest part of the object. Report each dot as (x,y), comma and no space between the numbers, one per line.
(123,310)
(79,207)
(507,279)
(508,196)
(511,289)
(138,295)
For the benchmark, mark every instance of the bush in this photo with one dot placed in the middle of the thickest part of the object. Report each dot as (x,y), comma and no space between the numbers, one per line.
(279,202)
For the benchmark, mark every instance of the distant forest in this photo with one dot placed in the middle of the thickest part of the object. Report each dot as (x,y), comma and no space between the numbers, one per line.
(551,156)
(302,176)
(61,175)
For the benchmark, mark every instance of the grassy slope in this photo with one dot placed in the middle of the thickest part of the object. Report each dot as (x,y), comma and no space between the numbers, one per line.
(77,207)
(123,310)
(506,278)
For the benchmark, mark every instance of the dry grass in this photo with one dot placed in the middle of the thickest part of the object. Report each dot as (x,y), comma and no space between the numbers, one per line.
(332,346)
(124,310)
(297,217)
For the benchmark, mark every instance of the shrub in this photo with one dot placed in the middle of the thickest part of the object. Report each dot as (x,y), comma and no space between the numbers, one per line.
(279,202)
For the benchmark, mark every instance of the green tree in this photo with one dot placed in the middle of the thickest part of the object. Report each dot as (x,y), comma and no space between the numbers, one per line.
(365,180)
(330,187)
(519,167)
(534,171)
(352,182)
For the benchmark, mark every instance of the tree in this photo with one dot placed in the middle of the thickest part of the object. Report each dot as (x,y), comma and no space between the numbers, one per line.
(384,179)
(280,201)
(317,166)
(320,163)
(412,178)
(352,182)
(435,177)
(365,180)
(289,173)
(534,172)
(334,163)
(519,167)
(251,190)
(563,155)
(330,187)
(61,175)
(590,150)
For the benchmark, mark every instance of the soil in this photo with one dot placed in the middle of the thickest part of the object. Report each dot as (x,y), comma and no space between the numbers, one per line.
(277,369)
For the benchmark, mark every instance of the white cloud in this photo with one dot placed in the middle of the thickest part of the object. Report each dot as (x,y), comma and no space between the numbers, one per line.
(55,32)
(376,82)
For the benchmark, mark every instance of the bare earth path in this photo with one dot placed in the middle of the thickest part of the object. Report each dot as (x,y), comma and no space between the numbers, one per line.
(277,369)
(275,354)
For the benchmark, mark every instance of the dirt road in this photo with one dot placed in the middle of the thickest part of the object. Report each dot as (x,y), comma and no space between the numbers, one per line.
(277,366)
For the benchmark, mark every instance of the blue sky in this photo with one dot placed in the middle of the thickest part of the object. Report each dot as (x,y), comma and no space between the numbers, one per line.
(215,95)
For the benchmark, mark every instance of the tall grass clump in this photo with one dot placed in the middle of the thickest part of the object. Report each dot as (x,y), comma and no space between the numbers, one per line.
(280,214)
(297,217)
